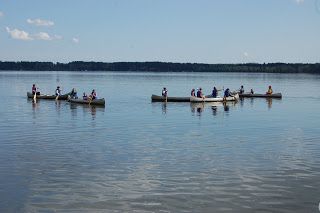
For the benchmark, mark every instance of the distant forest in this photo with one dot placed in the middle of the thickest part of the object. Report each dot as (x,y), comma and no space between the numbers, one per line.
(161,67)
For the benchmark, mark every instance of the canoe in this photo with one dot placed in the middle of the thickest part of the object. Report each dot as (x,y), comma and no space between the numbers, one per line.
(100,102)
(51,97)
(157,98)
(249,95)
(217,99)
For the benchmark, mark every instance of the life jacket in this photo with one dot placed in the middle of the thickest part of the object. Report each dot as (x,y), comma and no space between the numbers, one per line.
(93,95)
(164,93)
(58,91)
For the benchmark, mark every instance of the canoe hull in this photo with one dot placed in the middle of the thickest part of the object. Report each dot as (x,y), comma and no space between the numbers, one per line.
(249,95)
(218,99)
(157,98)
(49,97)
(98,102)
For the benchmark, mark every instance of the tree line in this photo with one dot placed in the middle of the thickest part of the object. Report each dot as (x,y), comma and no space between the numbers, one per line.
(161,67)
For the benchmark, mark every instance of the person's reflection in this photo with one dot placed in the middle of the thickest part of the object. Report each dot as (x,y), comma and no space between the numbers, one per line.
(199,110)
(93,112)
(164,108)
(269,102)
(226,107)
(73,108)
(251,101)
(34,109)
(241,102)
(193,109)
(214,110)
(58,106)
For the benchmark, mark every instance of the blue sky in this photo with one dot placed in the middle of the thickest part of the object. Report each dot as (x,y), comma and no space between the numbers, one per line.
(202,31)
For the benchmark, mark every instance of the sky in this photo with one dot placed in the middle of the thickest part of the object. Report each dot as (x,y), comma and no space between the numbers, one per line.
(195,31)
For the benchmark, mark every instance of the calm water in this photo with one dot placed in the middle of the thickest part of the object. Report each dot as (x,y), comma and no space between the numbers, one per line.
(137,156)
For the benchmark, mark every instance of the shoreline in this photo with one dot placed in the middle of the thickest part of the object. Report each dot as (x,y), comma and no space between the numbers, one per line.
(161,67)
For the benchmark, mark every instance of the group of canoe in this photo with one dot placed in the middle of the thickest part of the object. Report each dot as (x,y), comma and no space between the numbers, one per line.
(228,96)
(71,96)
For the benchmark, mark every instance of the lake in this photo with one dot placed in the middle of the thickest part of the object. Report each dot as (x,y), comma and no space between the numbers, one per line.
(255,155)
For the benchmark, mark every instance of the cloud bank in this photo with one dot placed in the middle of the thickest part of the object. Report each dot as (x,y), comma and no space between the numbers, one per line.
(25,36)
(40,22)
(1,14)
(45,36)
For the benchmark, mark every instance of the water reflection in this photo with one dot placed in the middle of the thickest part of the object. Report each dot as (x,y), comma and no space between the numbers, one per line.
(253,101)
(269,102)
(164,108)
(92,109)
(199,108)
(34,105)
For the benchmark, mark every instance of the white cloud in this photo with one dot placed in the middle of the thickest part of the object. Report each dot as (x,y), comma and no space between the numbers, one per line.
(299,1)
(75,40)
(22,35)
(19,34)
(40,22)
(245,54)
(45,36)
(1,14)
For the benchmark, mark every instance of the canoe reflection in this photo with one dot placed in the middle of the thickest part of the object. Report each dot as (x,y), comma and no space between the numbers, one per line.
(93,109)
(200,107)
(253,101)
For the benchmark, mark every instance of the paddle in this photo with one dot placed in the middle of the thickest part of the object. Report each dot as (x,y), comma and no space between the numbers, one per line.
(90,99)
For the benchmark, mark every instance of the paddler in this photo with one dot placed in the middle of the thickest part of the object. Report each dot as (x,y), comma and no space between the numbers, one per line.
(270,91)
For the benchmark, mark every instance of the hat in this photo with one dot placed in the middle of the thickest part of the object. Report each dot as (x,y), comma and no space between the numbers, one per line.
(58,87)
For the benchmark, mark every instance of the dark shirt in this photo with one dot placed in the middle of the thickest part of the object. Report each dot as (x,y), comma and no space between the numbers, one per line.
(241,91)
(214,93)
(199,94)
(227,93)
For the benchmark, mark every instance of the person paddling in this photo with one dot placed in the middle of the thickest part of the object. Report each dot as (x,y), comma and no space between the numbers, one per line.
(34,89)
(193,92)
(270,91)
(74,93)
(199,93)
(241,91)
(58,92)
(165,93)
(93,94)
(34,92)
(84,96)
(214,92)
(227,93)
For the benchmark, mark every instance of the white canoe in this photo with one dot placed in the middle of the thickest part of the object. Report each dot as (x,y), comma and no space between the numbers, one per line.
(217,99)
